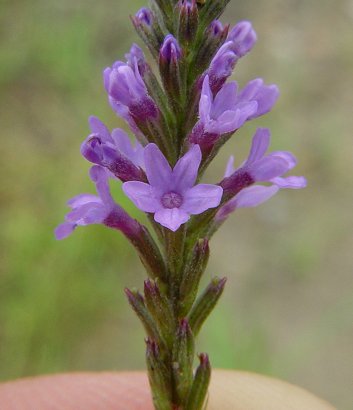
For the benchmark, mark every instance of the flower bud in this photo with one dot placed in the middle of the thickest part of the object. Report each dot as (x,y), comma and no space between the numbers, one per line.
(205,304)
(188,20)
(161,309)
(169,66)
(137,302)
(148,28)
(198,393)
(158,375)
(183,355)
(193,271)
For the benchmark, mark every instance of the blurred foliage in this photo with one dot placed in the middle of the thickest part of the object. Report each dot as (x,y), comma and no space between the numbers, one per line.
(287,311)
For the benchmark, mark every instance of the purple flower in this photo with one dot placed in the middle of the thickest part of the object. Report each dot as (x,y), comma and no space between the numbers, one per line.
(113,151)
(220,115)
(243,38)
(229,110)
(170,50)
(90,209)
(171,194)
(259,168)
(128,94)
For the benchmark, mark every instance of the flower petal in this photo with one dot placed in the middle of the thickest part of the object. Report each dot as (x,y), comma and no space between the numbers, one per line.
(205,100)
(125,146)
(142,195)
(82,199)
(225,100)
(185,170)
(101,177)
(230,167)
(87,214)
(171,218)
(259,146)
(97,127)
(287,156)
(64,230)
(292,182)
(201,197)
(158,170)
(254,196)
(247,198)
(269,167)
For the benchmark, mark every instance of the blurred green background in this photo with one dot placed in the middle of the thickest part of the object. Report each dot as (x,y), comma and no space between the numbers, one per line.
(287,311)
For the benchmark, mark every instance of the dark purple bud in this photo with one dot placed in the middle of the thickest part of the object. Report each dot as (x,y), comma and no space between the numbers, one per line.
(169,67)
(170,50)
(144,17)
(216,28)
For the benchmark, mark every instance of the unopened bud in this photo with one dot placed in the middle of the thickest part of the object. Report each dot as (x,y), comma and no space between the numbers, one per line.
(183,355)
(195,267)
(205,304)
(158,375)
(198,393)
(188,20)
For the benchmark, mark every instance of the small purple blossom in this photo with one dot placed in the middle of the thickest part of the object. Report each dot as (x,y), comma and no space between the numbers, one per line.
(259,168)
(88,209)
(128,94)
(170,49)
(171,194)
(220,115)
(229,110)
(243,37)
(113,151)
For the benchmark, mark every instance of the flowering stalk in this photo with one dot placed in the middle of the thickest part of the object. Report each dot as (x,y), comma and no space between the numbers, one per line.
(181,120)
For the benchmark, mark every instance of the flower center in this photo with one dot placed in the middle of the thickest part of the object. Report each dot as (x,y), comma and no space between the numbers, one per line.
(171,200)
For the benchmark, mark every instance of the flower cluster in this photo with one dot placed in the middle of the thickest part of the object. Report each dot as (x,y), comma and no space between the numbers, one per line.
(179,120)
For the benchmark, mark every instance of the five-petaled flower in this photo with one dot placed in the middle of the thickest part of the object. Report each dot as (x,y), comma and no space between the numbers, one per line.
(171,194)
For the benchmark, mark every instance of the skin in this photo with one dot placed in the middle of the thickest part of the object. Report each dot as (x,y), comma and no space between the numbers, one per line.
(129,391)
